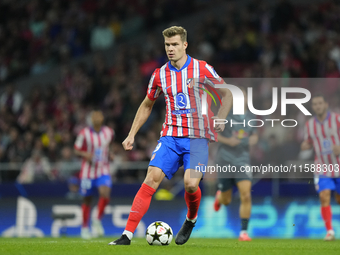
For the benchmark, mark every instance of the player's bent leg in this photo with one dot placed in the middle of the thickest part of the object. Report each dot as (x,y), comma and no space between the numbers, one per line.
(226,197)
(154,177)
(192,198)
(325,197)
(326,213)
(86,210)
(244,187)
(104,199)
(141,204)
(337,198)
(224,193)
(222,198)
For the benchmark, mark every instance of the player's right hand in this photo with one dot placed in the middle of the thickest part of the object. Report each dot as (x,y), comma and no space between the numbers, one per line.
(233,141)
(128,142)
(88,156)
(306,145)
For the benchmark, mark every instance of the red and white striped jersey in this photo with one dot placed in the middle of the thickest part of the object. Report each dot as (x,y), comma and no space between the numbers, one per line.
(184,116)
(324,135)
(96,143)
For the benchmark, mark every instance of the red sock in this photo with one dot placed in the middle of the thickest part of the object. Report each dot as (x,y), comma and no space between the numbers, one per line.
(139,207)
(326,213)
(86,214)
(193,202)
(101,206)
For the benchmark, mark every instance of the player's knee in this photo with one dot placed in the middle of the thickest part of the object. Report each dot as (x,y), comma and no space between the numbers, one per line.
(324,198)
(154,177)
(105,195)
(151,181)
(337,197)
(190,187)
(225,200)
(245,197)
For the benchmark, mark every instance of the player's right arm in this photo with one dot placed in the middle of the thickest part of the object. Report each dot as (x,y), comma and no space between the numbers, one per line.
(142,115)
(306,145)
(80,147)
(84,154)
(144,109)
(307,142)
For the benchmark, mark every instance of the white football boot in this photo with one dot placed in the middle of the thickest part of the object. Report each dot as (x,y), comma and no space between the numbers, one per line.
(330,235)
(97,228)
(85,233)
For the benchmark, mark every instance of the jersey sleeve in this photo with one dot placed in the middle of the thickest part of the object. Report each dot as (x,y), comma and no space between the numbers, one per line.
(154,90)
(338,122)
(80,143)
(211,76)
(306,133)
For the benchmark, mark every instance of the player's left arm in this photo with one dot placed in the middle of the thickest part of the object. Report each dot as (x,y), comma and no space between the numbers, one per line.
(306,144)
(253,139)
(227,97)
(111,153)
(227,102)
(336,148)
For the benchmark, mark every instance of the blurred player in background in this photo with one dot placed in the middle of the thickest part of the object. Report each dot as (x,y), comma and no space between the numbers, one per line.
(323,133)
(92,144)
(185,134)
(234,151)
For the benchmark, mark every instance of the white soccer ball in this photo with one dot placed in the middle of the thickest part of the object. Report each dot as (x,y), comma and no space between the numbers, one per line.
(159,233)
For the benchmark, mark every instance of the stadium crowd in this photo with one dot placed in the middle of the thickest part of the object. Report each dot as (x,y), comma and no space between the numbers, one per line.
(36,35)
(278,41)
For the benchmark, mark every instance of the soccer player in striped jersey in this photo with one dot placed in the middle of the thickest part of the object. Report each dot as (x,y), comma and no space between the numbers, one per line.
(92,144)
(185,133)
(323,133)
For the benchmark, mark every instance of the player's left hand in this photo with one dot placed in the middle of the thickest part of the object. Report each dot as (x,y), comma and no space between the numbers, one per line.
(218,127)
(336,150)
(112,156)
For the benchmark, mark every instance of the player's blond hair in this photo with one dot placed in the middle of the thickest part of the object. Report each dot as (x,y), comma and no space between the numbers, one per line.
(175,30)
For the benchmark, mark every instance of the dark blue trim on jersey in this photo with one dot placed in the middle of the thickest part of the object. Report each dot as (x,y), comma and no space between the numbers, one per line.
(327,117)
(185,65)
(94,131)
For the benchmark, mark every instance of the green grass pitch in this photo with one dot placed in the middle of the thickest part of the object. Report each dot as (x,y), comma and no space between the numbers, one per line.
(195,246)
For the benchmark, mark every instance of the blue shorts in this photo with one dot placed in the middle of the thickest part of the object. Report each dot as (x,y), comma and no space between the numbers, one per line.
(323,182)
(88,186)
(174,152)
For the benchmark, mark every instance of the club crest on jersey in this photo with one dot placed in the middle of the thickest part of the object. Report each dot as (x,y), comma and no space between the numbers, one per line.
(190,84)
(327,147)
